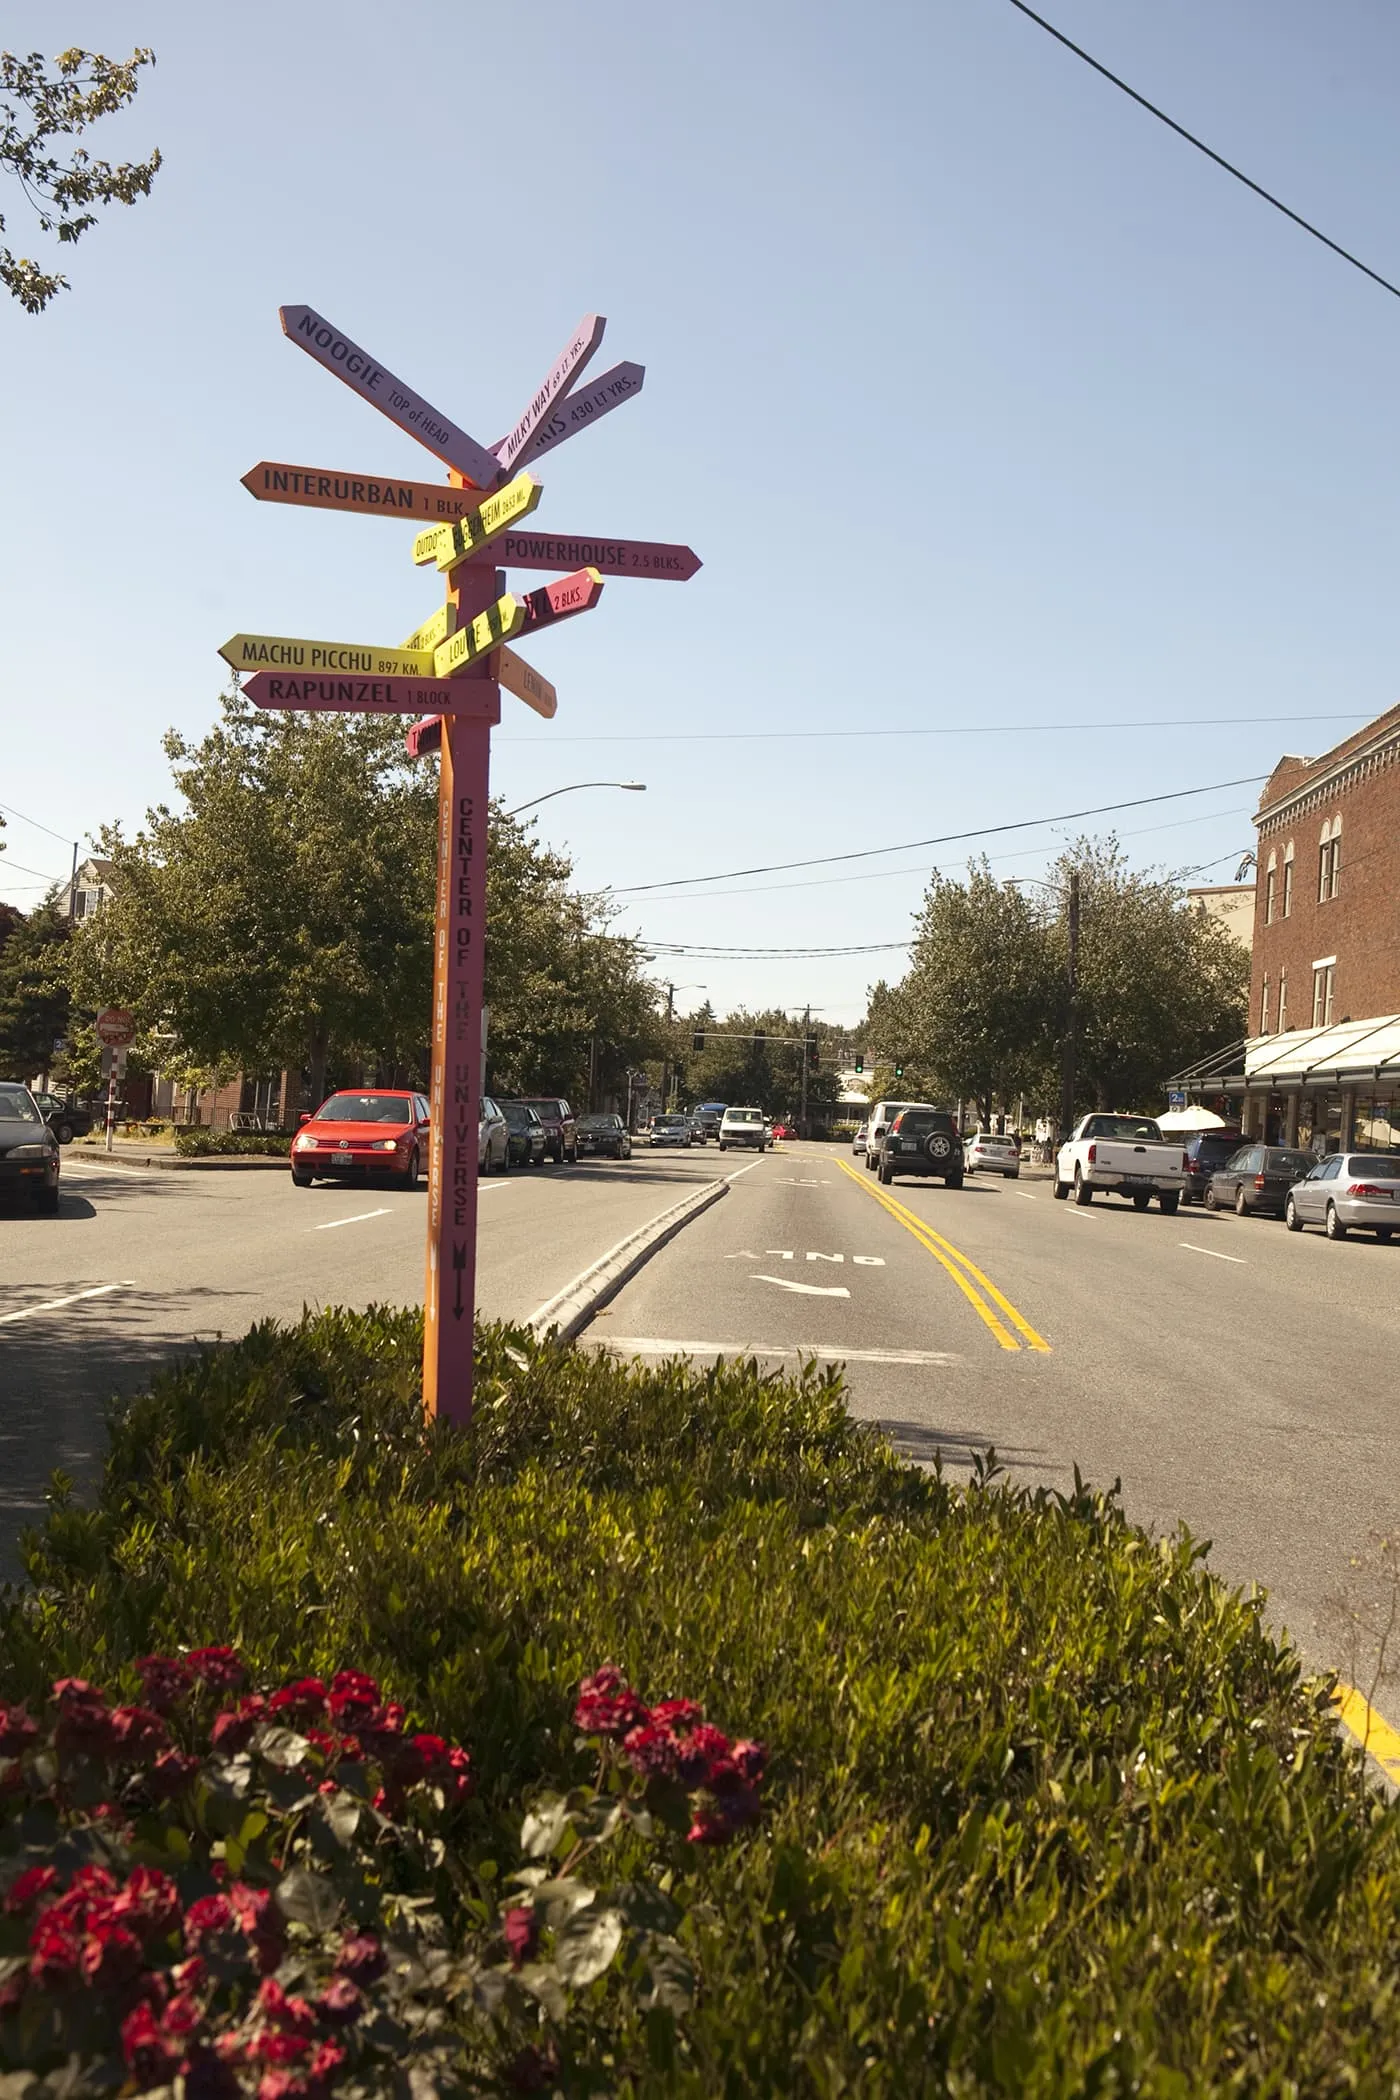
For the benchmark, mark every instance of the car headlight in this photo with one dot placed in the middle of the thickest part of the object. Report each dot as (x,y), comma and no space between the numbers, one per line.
(29,1151)
(387,1144)
(303,1144)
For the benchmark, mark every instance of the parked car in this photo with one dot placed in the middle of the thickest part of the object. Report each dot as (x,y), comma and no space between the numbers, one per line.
(66,1119)
(708,1117)
(1256,1178)
(493,1139)
(603,1137)
(784,1130)
(882,1115)
(527,1144)
(922,1141)
(353,1135)
(1203,1154)
(670,1130)
(1120,1155)
(29,1161)
(560,1129)
(743,1126)
(992,1154)
(859,1140)
(1347,1191)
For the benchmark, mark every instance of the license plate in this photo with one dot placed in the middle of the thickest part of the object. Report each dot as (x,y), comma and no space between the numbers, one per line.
(1137,1184)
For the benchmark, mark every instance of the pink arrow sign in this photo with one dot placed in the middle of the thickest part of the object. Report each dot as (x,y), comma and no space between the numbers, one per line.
(562,373)
(479,698)
(561,599)
(660,560)
(576,411)
(321,339)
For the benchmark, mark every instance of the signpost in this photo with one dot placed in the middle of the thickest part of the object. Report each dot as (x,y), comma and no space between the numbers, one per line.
(451,671)
(114,1029)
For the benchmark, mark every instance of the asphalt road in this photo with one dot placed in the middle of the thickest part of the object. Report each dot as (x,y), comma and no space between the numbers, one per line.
(1236,1378)
(142,1262)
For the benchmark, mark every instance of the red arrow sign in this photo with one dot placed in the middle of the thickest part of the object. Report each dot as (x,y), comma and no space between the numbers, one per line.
(376,696)
(561,599)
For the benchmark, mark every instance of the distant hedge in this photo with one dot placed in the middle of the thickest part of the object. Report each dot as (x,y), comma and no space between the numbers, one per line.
(1048,1811)
(201,1144)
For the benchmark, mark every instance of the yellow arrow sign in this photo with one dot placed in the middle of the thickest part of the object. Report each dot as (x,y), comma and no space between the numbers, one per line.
(264,652)
(525,682)
(485,633)
(433,630)
(449,544)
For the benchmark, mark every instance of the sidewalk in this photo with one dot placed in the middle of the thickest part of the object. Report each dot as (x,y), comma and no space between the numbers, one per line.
(139,1152)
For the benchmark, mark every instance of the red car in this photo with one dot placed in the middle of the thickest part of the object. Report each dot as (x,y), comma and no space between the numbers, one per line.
(353,1135)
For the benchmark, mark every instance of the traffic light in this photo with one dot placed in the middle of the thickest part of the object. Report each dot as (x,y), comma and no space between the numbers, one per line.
(860,1061)
(899,1071)
(760,1039)
(814,1056)
(697,1040)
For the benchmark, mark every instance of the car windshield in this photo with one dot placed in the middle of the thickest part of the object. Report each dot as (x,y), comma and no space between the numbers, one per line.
(1217,1148)
(1374,1166)
(363,1108)
(992,1137)
(922,1119)
(1135,1130)
(547,1107)
(743,1115)
(1278,1160)
(599,1122)
(16,1106)
(674,1122)
(519,1115)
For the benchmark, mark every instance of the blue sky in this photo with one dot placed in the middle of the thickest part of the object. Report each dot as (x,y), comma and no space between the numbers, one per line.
(983,398)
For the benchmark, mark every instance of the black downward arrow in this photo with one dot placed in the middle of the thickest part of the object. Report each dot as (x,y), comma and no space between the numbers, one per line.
(459,1263)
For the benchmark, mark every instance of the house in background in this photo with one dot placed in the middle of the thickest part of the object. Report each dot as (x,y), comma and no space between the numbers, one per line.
(89,889)
(1230,902)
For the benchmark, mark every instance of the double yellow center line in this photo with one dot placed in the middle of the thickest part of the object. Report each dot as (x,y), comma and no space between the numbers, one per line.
(979,1290)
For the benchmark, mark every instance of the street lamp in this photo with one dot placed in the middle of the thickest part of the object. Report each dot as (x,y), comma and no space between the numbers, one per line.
(632,787)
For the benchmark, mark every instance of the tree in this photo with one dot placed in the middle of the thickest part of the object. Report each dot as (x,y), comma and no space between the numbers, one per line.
(285,915)
(39,104)
(33,995)
(734,1067)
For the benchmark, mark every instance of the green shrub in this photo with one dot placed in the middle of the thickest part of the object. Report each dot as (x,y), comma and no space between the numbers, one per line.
(1050,1811)
(202,1144)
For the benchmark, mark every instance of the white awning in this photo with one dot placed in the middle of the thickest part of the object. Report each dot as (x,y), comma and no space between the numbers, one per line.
(1349,1053)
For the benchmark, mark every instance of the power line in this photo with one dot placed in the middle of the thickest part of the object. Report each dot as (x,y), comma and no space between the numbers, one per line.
(793,736)
(1209,151)
(6,863)
(947,838)
(35,822)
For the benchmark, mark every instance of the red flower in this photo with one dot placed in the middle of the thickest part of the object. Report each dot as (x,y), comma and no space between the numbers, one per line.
(607,1706)
(261,1920)
(150,2055)
(111,1955)
(171,1774)
(150,1902)
(651,1751)
(206,1919)
(752,1760)
(292,2014)
(340,2004)
(84,1718)
(328,2059)
(219,1668)
(189,1975)
(300,1702)
(698,1751)
(707,1829)
(276,2046)
(521,1930)
(233,1729)
(26,1889)
(17,1731)
(166,1681)
(457,1779)
(353,1698)
(361,1958)
(54,1952)
(138,1733)
(182,2015)
(678,1713)
(283,2085)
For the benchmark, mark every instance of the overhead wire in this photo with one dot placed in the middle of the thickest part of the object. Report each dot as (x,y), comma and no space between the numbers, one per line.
(784,736)
(36,824)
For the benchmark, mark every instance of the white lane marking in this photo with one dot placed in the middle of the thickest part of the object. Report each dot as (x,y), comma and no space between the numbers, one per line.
(1081,1212)
(1237,1258)
(808,1290)
(788,1181)
(358,1219)
(645,1345)
(1025,1195)
(739,1172)
(98,1290)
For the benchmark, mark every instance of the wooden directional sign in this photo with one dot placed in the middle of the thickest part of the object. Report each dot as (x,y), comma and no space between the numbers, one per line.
(560,600)
(436,628)
(562,374)
(449,544)
(280,652)
(321,339)
(480,636)
(525,682)
(377,696)
(376,496)
(599,397)
(661,561)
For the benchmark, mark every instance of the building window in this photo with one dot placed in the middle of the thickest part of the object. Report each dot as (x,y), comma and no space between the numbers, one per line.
(1264,1008)
(1269,881)
(1288,881)
(1329,861)
(1283,1002)
(1323,974)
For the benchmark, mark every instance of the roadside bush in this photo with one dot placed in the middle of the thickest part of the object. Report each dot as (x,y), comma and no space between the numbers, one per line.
(201,1144)
(1049,1810)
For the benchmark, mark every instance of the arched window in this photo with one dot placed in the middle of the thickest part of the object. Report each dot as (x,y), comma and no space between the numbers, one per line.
(1329,860)
(1270,884)
(1288,880)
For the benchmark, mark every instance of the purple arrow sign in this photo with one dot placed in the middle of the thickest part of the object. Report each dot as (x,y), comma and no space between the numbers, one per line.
(576,411)
(561,375)
(375,696)
(664,561)
(322,340)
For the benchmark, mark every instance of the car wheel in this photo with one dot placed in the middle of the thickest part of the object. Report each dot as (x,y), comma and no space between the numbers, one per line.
(1141,1202)
(1212,1200)
(1290,1216)
(47,1201)
(1241,1207)
(301,1181)
(410,1173)
(722,1146)
(64,1133)
(953,1180)
(886,1173)
(1060,1191)
(1332,1224)
(1168,1202)
(1383,1233)
(1083,1194)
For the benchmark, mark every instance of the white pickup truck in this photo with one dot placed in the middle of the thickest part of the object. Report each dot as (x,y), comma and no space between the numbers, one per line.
(1120,1156)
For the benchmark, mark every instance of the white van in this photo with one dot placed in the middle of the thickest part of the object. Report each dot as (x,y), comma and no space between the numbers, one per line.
(744,1126)
(882,1114)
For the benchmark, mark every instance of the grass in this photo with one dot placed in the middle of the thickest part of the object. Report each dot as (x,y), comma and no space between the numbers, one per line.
(1050,1810)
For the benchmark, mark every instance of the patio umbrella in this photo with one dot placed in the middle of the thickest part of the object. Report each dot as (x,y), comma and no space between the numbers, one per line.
(1193,1118)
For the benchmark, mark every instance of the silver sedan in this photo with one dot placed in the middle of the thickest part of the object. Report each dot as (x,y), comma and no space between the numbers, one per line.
(1347,1191)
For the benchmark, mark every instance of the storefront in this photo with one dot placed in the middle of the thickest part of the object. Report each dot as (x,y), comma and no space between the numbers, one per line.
(1324,1089)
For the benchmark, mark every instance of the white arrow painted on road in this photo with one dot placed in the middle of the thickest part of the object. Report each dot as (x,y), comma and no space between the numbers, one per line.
(808,1290)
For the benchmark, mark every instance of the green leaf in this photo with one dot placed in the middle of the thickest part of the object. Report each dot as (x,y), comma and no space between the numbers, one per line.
(546,1827)
(586,1945)
(308,1899)
(542,1982)
(282,1747)
(671,1977)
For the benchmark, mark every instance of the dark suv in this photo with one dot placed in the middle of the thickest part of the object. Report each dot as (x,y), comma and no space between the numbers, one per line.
(1204,1155)
(923,1141)
(560,1130)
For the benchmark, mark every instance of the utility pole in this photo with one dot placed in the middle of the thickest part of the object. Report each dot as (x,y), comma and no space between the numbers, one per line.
(1069,1074)
(806,1030)
(666,1062)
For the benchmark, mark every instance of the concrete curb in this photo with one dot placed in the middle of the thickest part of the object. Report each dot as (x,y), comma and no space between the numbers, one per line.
(571,1309)
(235,1162)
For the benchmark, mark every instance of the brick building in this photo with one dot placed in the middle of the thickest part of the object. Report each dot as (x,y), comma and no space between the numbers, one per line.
(1321,1064)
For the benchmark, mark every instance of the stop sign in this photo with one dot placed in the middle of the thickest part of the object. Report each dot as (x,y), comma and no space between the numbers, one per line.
(115,1027)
